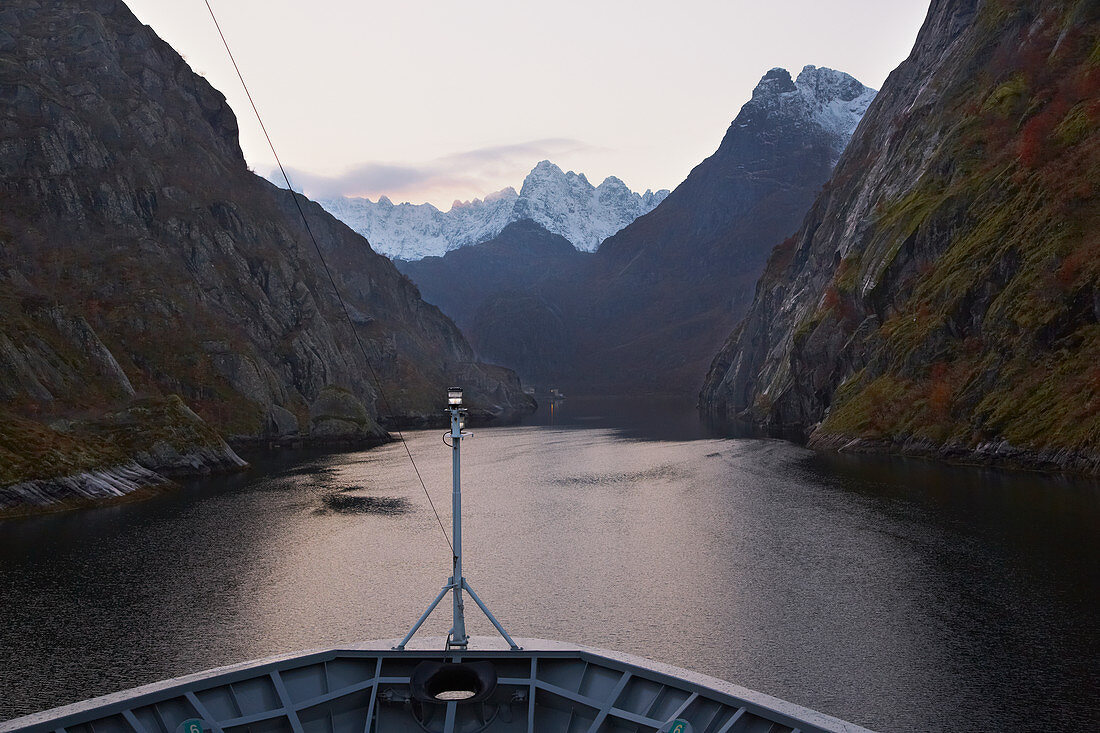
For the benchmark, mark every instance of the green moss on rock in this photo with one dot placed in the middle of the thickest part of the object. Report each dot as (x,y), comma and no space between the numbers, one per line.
(30,450)
(148,427)
(1006,98)
(993,335)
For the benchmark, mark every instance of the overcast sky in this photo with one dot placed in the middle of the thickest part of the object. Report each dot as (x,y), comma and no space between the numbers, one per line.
(437,100)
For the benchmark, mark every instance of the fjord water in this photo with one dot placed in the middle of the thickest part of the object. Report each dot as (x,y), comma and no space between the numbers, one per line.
(901,595)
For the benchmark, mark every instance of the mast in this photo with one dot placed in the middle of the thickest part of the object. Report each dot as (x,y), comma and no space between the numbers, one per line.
(458,628)
(457,583)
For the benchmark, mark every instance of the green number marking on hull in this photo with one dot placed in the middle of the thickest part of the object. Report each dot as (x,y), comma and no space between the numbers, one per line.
(191,725)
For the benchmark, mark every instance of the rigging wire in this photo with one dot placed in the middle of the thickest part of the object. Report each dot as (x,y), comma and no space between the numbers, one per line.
(332,281)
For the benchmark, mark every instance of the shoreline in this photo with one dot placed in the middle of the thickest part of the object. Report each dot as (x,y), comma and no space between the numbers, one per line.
(998,455)
(991,454)
(85,489)
(132,482)
(73,504)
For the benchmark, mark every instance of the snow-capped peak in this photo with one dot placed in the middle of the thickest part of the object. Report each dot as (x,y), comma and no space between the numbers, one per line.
(831,99)
(838,101)
(565,203)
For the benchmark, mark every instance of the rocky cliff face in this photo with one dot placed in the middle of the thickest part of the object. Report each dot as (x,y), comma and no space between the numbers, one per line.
(941,296)
(140,257)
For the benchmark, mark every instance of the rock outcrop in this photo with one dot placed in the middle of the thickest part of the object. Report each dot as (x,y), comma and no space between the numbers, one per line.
(941,296)
(140,257)
(85,488)
(75,462)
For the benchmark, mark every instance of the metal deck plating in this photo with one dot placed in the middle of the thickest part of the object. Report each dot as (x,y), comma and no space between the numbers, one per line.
(546,686)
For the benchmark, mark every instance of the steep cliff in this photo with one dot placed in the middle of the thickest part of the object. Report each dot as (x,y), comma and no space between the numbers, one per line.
(941,296)
(142,259)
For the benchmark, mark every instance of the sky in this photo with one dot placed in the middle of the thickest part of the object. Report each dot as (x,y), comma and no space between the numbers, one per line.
(438,100)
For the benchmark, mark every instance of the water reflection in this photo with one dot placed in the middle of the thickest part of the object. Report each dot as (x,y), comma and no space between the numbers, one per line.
(644,418)
(900,594)
(343,503)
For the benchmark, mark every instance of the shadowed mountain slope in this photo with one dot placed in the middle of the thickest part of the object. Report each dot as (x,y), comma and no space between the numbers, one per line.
(671,285)
(511,295)
(524,256)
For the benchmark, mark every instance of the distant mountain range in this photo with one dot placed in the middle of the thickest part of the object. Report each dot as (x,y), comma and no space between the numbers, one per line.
(563,203)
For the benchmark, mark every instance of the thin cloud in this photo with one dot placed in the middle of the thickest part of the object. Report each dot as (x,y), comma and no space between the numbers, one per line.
(509,153)
(463,174)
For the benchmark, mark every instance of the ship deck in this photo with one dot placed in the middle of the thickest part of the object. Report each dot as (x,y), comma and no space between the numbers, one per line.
(371,688)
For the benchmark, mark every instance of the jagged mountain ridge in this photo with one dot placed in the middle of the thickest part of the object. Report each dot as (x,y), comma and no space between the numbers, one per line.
(564,203)
(941,296)
(141,259)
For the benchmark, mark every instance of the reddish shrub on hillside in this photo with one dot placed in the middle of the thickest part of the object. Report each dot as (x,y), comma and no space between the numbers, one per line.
(940,392)
(782,255)
(1034,136)
(939,400)
(1086,85)
(1069,269)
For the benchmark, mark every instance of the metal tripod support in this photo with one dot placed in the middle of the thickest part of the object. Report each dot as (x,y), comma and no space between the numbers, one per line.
(457,583)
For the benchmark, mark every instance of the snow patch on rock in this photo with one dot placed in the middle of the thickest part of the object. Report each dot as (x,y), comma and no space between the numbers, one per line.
(835,101)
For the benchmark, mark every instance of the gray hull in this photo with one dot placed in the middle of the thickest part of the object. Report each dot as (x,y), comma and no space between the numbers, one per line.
(548,686)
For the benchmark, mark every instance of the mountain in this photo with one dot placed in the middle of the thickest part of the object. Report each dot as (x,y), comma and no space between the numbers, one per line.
(941,295)
(156,295)
(563,203)
(524,256)
(671,285)
(506,295)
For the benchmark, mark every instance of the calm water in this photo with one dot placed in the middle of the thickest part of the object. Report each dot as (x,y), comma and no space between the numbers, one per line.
(900,595)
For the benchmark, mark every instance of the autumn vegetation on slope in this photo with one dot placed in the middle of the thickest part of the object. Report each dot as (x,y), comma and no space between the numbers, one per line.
(997,338)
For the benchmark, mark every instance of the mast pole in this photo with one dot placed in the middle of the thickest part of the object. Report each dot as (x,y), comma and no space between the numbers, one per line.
(458,627)
(456,584)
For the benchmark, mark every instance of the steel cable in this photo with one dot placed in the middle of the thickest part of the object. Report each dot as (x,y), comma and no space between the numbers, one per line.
(328,273)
